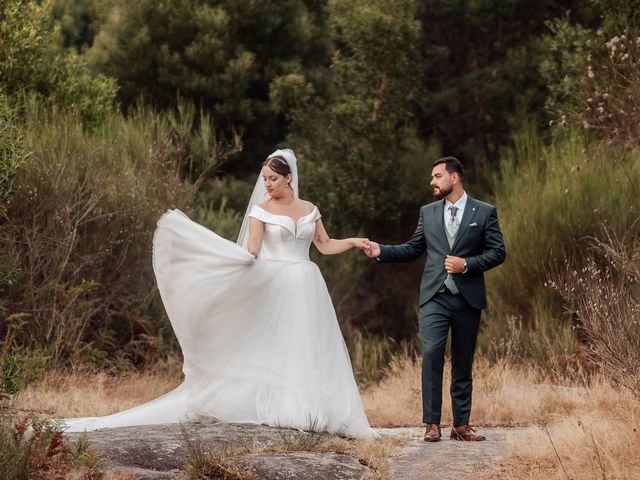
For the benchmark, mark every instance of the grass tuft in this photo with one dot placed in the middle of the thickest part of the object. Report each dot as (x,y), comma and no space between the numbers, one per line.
(202,464)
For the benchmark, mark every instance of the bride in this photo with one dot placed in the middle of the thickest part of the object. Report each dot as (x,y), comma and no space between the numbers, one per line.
(255,322)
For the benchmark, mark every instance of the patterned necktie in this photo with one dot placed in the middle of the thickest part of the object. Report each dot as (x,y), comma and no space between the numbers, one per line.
(453,222)
(452,229)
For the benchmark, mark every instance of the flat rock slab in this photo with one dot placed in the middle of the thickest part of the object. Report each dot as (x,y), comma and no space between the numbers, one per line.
(157,452)
(446,459)
(304,465)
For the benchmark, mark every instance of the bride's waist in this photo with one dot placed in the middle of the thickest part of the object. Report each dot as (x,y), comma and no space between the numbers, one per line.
(289,259)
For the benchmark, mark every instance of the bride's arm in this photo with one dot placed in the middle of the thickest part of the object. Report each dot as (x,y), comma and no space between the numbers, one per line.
(256,231)
(331,246)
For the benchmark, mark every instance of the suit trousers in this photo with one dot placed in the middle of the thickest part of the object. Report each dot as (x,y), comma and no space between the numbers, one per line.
(442,312)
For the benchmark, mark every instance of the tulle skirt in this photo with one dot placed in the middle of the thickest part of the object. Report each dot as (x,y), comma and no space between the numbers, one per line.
(260,340)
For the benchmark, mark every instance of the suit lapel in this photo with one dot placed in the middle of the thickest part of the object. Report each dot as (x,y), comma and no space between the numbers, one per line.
(441,232)
(470,210)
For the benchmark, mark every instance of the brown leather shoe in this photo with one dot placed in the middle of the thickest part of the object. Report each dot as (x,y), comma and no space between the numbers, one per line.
(466,434)
(432,434)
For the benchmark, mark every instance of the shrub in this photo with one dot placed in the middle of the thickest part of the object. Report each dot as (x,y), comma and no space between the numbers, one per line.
(33,60)
(594,79)
(551,199)
(604,296)
(32,448)
(78,228)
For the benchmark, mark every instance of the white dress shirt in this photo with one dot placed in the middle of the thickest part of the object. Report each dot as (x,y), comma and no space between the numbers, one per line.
(461,203)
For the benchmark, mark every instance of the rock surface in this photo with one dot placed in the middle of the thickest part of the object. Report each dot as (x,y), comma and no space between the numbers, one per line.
(447,459)
(302,465)
(157,452)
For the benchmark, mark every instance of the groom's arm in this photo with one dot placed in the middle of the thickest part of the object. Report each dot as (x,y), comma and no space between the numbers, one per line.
(408,251)
(494,253)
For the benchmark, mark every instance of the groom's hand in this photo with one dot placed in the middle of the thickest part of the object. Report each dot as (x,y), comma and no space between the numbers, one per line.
(373,251)
(454,264)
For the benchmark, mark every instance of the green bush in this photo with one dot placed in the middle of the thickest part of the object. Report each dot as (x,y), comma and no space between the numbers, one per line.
(222,205)
(552,200)
(13,151)
(33,60)
(78,228)
(593,77)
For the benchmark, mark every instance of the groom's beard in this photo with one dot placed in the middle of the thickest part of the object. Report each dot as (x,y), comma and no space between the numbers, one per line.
(440,193)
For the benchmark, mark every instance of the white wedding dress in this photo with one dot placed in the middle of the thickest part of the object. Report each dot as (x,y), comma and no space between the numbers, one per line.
(260,339)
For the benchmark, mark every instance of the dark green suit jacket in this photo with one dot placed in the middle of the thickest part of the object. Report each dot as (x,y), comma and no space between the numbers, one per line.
(479,241)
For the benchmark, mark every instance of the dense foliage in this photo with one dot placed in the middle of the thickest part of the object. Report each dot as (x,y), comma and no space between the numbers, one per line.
(112,111)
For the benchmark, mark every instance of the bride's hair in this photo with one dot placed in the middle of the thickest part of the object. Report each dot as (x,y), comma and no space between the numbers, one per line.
(278,164)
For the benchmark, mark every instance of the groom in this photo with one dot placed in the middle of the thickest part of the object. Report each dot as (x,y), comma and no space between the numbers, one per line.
(463,240)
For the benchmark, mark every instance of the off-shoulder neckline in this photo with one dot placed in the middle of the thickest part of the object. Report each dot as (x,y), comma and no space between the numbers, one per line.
(287,216)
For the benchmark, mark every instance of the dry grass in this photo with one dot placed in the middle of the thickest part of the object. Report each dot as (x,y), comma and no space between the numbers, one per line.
(504,394)
(376,454)
(203,463)
(586,431)
(396,400)
(81,393)
(117,474)
(68,394)
(601,441)
(108,474)
(605,299)
(591,427)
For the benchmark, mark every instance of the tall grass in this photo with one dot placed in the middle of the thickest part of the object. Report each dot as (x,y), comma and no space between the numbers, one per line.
(77,233)
(552,199)
(598,441)
(78,393)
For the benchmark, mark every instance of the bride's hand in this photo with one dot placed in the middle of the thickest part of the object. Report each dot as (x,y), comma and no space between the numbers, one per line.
(361,243)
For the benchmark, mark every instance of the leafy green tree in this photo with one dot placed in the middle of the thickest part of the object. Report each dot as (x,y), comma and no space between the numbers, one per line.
(482,69)
(564,62)
(78,20)
(355,145)
(357,148)
(222,54)
(32,59)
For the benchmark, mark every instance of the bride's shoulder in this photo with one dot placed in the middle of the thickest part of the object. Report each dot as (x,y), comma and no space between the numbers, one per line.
(259,211)
(308,206)
(310,210)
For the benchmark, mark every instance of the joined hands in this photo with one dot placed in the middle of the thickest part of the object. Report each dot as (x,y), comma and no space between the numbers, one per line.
(371,249)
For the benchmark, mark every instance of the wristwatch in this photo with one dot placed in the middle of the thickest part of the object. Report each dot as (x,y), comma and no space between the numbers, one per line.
(464,267)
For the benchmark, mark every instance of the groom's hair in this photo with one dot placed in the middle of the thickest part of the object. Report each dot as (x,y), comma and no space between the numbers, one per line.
(278,164)
(452,164)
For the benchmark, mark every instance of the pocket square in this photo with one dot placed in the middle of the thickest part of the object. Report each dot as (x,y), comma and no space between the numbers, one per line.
(474,224)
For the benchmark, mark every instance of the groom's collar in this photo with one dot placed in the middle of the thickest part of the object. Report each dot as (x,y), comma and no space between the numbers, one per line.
(461,203)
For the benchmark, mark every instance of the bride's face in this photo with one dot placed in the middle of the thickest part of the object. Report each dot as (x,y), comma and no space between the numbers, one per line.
(277,185)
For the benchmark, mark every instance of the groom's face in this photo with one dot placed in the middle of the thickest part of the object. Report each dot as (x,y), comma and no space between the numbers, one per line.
(441,181)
